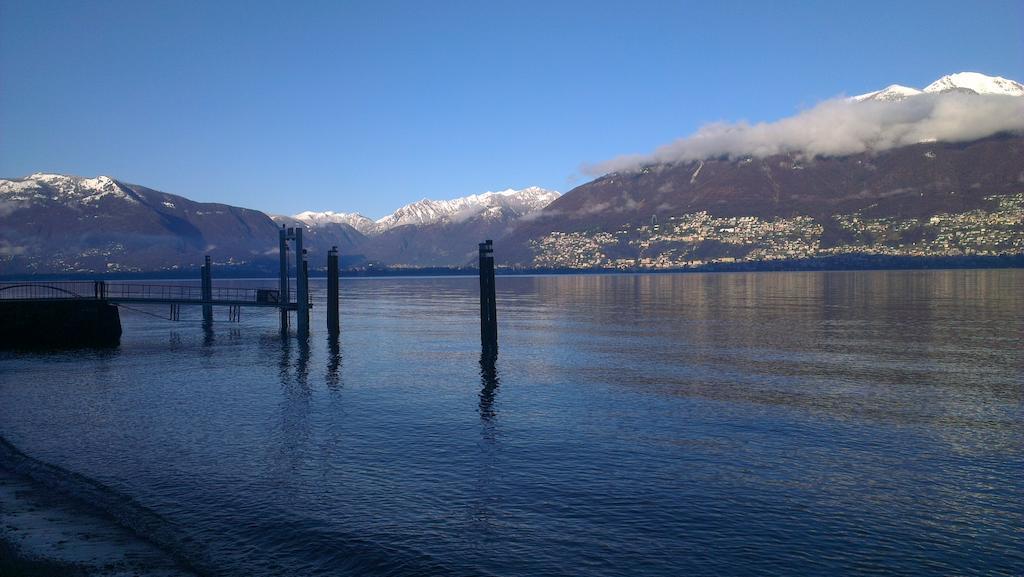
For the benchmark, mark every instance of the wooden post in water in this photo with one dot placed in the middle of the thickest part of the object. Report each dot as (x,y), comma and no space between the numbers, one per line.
(301,286)
(207,290)
(488,306)
(333,326)
(284,297)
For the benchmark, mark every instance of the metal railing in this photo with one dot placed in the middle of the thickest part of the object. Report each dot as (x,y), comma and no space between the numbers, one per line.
(127,291)
(46,291)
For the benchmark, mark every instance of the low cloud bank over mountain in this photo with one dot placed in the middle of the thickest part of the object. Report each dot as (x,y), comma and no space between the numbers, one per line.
(957,108)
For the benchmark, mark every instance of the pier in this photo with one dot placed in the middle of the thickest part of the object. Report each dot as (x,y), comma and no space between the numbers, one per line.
(139,293)
(85,312)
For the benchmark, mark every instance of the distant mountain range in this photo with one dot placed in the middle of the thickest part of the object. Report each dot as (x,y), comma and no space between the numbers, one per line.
(426,233)
(729,195)
(52,223)
(506,205)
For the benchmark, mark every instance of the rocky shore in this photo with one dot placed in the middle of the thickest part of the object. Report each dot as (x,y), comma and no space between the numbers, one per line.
(48,528)
(45,533)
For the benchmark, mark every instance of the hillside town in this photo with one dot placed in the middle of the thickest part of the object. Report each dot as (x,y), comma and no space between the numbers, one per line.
(699,239)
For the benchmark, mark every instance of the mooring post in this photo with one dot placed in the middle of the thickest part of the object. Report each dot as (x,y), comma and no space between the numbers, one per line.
(301,286)
(333,326)
(488,305)
(207,290)
(283,298)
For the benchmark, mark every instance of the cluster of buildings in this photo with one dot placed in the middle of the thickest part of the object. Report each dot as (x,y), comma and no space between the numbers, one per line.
(972,233)
(84,261)
(701,238)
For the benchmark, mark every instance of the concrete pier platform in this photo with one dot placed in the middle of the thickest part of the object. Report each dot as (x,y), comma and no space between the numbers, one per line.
(58,323)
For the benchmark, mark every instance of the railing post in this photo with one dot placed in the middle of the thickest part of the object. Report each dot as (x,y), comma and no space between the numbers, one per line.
(333,326)
(207,287)
(488,306)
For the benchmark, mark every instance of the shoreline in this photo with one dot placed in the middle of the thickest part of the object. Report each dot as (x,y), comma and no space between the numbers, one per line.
(14,562)
(45,530)
(834,263)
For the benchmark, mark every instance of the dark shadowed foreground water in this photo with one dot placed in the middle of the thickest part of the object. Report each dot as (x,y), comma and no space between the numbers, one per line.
(723,424)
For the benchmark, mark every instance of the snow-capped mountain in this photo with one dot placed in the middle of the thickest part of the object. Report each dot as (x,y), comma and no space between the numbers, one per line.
(320,219)
(507,204)
(908,184)
(428,232)
(976,82)
(890,93)
(64,189)
(489,205)
(436,232)
(55,223)
(972,82)
(61,223)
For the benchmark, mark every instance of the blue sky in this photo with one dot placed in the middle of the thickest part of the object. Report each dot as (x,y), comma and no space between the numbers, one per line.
(365,106)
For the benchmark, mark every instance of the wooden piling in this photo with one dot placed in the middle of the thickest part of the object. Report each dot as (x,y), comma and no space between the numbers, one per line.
(301,286)
(333,324)
(282,283)
(207,290)
(488,305)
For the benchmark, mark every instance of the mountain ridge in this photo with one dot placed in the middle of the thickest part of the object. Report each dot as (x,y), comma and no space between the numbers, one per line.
(63,223)
(970,81)
(428,211)
(731,192)
(789,207)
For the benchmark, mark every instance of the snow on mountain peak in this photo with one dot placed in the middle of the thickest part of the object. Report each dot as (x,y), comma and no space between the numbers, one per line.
(980,83)
(69,190)
(319,219)
(516,203)
(888,94)
(510,203)
(972,81)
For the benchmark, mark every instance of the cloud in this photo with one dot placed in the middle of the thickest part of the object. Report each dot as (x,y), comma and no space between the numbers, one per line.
(839,127)
(9,249)
(9,206)
(594,208)
(466,214)
(542,214)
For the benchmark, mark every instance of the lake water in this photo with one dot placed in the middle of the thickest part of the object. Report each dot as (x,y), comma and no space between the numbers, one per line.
(705,424)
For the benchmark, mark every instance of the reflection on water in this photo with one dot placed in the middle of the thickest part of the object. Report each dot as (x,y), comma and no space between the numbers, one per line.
(208,335)
(488,383)
(334,362)
(633,424)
